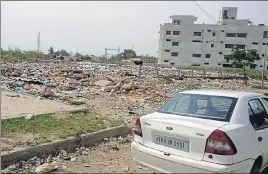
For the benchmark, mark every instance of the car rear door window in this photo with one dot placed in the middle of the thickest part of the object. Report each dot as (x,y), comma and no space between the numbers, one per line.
(257,114)
(202,106)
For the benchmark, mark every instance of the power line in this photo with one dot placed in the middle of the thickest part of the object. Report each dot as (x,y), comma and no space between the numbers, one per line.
(211,16)
(205,12)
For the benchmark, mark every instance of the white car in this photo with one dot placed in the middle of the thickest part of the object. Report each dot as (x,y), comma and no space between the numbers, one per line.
(205,131)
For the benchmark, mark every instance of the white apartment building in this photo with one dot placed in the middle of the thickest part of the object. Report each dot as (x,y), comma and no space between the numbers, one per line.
(184,43)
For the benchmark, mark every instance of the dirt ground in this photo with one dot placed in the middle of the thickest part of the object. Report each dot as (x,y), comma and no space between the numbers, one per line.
(16,105)
(105,159)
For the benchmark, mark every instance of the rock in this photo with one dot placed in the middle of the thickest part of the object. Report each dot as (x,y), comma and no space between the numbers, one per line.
(128,86)
(47,167)
(24,76)
(107,88)
(85,153)
(102,83)
(140,166)
(125,169)
(73,159)
(111,78)
(49,159)
(78,76)
(64,155)
(77,101)
(48,93)
(28,117)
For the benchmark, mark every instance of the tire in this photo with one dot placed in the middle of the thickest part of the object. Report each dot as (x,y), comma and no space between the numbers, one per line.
(255,169)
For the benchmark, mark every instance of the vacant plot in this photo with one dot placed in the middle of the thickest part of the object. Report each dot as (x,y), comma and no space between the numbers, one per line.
(46,128)
(17,105)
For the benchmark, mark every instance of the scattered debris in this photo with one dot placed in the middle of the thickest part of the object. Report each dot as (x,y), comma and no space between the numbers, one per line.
(29,117)
(47,167)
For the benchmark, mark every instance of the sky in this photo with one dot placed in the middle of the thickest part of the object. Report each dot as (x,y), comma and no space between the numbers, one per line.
(88,27)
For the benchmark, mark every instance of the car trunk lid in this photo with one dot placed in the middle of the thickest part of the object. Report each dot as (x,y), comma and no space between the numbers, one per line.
(178,135)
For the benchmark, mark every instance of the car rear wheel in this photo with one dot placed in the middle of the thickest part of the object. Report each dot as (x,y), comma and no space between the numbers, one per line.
(255,169)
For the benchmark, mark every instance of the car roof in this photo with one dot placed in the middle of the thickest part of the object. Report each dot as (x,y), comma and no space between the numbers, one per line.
(225,93)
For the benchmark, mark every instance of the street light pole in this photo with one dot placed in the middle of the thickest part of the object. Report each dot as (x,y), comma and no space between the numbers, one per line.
(264,60)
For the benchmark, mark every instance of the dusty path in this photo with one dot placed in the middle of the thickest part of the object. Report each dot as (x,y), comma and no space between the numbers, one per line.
(106,158)
(15,105)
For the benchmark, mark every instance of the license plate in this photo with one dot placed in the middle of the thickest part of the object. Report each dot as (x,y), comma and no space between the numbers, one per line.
(172,142)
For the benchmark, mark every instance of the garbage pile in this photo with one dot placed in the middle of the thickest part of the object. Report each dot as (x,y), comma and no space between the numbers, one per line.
(119,86)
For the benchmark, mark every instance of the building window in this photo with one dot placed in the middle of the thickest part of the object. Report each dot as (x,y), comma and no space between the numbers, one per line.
(241,46)
(219,63)
(206,63)
(265,33)
(195,64)
(197,41)
(261,66)
(226,65)
(209,30)
(213,34)
(165,60)
(220,52)
(196,55)
(230,34)
(176,32)
(222,30)
(244,35)
(229,45)
(174,54)
(168,40)
(207,55)
(225,14)
(262,55)
(264,43)
(167,50)
(255,43)
(197,33)
(221,42)
(177,22)
(212,45)
(168,32)
(175,43)
(171,63)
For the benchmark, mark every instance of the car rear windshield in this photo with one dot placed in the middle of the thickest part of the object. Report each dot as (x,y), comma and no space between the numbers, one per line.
(202,106)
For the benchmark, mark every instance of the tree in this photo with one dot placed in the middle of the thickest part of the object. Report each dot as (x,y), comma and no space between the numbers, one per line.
(78,55)
(51,50)
(128,53)
(242,59)
(62,52)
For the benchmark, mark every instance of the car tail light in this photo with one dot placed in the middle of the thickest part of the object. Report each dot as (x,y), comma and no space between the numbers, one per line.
(137,128)
(219,143)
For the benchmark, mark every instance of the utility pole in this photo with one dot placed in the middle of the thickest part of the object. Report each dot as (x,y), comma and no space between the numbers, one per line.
(38,42)
(264,60)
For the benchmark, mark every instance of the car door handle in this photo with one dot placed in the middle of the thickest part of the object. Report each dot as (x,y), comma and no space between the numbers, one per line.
(259,138)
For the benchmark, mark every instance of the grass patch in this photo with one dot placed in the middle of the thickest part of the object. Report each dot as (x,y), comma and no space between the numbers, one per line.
(260,87)
(46,128)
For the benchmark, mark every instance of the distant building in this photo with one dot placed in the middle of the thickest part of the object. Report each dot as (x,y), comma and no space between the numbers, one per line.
(131,60)
(185,43)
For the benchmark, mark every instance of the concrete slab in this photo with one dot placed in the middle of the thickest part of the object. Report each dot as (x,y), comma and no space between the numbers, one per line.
(18,105)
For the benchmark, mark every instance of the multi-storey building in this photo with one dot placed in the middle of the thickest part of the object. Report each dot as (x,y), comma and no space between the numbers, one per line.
(184,43)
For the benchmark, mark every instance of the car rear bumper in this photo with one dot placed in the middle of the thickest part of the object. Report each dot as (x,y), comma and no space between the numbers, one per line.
(159,162)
